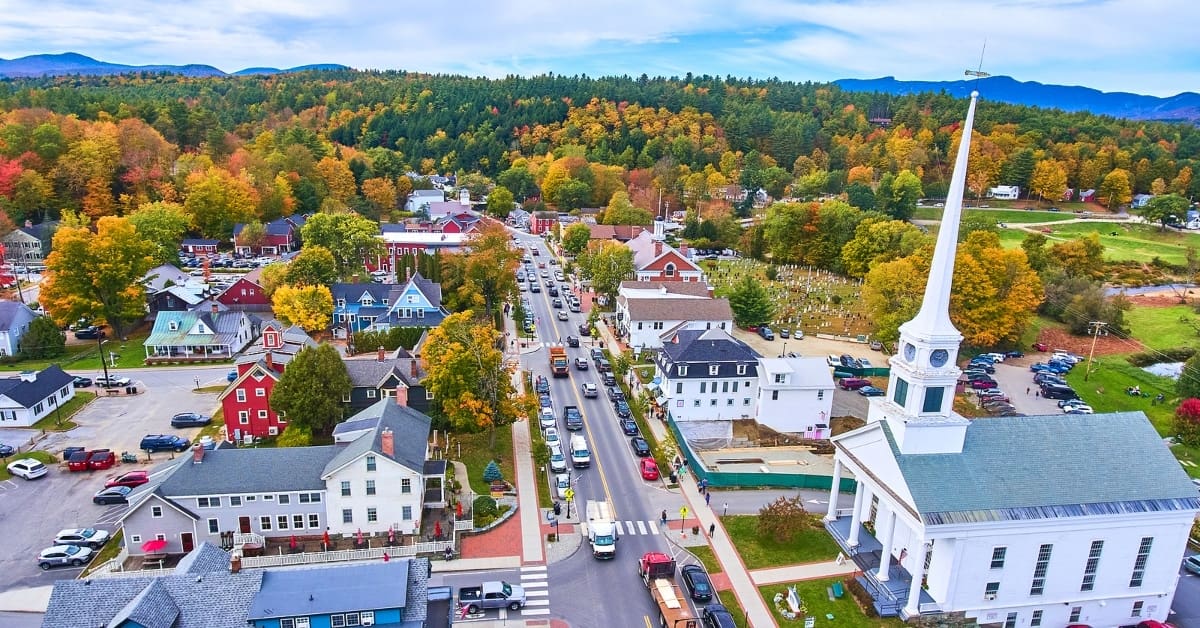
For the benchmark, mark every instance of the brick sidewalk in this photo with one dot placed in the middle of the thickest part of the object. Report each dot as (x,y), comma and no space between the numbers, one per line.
(503,540)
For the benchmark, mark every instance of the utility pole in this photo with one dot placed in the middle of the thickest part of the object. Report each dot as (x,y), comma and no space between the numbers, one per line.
(1094,327)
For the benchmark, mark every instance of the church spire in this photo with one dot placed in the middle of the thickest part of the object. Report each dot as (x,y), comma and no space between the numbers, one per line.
(934,317)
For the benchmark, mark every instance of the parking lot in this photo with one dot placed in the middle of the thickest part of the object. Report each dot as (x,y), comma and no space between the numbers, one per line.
(31,513)
(1016,381)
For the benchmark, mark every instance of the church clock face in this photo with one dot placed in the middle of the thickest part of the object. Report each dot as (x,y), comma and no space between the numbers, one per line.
(910,351)
(938,358)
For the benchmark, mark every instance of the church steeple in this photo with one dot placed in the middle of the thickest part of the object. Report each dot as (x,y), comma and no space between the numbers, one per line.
(919,406)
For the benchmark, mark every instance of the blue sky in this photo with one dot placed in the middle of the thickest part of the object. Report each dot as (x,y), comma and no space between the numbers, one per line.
(1141,46)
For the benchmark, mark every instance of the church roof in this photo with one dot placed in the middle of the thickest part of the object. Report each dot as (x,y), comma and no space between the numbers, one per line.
(1071,465)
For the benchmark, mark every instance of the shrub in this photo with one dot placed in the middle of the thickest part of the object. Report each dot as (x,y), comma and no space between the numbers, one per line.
(1174,354)
(782,519)
(484,511)
(491,473)
(1187,422)
(390,339)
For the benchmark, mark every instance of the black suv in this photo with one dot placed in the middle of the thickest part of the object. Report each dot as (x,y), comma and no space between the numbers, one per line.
(163,442)
(572,341)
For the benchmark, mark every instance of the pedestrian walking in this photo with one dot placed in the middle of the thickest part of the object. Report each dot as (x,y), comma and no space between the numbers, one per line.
(1026,390)
(725,509)
(1037,394)
(664,517)
(712,528)
(707,499)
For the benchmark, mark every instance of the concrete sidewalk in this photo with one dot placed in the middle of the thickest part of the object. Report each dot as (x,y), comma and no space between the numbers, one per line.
(33,600)
(811,571)
(475,564)
(527,478)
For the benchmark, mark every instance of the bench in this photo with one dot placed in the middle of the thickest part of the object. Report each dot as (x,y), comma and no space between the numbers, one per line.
(838,590)
(112,391)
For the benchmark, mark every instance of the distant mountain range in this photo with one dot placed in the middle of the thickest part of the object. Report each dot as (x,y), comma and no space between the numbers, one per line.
(1184,106)
(73,63)
(1181,107)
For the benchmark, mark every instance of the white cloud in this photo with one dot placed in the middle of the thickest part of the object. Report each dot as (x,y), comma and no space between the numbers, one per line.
(1131,45)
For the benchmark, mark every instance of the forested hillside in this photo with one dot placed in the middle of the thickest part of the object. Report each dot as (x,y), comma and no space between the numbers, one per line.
(233,149)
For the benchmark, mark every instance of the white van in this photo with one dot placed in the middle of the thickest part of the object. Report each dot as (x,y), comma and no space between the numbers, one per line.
(580,456)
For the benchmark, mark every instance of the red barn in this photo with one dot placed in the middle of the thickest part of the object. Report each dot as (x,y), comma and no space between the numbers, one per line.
(245,295)
(246,402)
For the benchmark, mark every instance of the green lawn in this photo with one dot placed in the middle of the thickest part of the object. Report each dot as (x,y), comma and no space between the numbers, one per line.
(705,555)
(85,357)
(810,546)
(1104,391)
(1134,241)
(60,421)
(814,595)
(1164,327)
(1014,216)
(107,553)
(730,602)
(476,454)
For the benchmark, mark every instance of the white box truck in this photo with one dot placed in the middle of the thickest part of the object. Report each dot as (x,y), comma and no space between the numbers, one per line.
(600,529)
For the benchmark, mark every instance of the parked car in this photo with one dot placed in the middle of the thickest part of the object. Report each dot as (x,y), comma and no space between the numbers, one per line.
(649,469)
(584,329)
(1191,564)
(545,401)
(1040,346)
(581,364)
(766,333)
(641,448)
(1013,354)
(870,391)
(101,459)
(876,345)
(27,468)
(82,382)
(89,333)
(63,555)
(542,385)
(163,442)
(7,450)
(547,418)
(130,478)
(615,393)
(785,334)
(83,537)
(608,379)
(603,365)
(986,367)
(1059,392)
(562,482)
(629,427)
(190,419)
(697,582)
(112,495)
(853,383)
(558,462)
(572,341)
(717,616)
(590,390)
(1078,409)
(622,409)
(979,384)
(551,436)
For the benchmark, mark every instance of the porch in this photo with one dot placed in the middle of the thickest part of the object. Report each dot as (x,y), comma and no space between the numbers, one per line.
(890,595)
(190,353)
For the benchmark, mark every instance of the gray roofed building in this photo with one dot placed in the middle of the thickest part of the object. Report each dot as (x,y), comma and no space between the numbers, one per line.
(15,318)
(680,288)
(703,348)
(981,483)
(32,395)
(312,592)
(204,559)
(669,309)
(237,471)
(411,430)
(175,601)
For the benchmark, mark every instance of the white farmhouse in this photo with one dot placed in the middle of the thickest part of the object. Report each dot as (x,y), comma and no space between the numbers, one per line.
(795,395)
(649,311)
(707,379)
(1016,521)
(1004,192)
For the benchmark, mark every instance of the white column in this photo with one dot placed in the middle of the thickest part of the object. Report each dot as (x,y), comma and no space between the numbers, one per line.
(865,506)
(831,513)
(887,527)
(856,518)
(913,607)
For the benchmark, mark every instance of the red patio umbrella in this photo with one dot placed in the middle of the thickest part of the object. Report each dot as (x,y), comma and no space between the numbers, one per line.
(360,536)
(325,538)
(386,557)
(154,545)
(458,510)
(292,543)
(391,535)
(437,529)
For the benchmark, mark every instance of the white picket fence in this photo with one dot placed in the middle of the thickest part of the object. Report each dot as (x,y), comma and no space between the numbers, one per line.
(371,553)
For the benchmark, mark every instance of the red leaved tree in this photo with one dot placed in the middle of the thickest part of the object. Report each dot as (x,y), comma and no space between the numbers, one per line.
(1187,422)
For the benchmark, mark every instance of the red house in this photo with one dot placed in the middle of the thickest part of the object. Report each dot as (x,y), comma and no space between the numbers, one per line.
(246,401)
(541,222)
(245,295)
(655,260)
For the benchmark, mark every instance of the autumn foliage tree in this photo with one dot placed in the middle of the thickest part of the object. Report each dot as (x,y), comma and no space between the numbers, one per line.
(310,307)
(466,374)
(783,519)
(1187,422)
(98,275)
(311,389)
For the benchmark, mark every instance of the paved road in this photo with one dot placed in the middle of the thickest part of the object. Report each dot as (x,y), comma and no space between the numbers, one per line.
(1185,610)
(533,579)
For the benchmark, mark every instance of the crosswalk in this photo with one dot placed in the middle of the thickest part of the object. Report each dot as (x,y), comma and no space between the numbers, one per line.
(537,593)
(637,527)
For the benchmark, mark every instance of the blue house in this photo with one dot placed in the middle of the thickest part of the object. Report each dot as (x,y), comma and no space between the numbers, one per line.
(388,593)
(362,306)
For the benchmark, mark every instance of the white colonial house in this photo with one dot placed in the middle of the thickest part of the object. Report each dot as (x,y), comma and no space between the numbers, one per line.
(33,395)
(1021,521)
(1004,192)
(706,379)
(795,395)
(648,311)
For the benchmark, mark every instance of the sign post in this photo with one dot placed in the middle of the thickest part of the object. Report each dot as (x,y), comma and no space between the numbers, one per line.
(683,513)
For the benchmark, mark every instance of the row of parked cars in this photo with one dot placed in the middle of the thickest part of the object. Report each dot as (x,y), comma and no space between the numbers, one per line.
(978,376)
(1048,376)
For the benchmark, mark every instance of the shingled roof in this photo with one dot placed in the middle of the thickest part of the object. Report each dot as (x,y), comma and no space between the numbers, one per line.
(669,309)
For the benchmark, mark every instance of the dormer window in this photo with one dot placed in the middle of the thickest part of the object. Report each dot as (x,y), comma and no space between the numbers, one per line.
(741,369)
(341,303)
(669,270)
(713,368)
(173,326)
(682,369)
(385,302)
(780,378)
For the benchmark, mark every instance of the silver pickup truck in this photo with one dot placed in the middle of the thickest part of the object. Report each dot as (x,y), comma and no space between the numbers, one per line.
(493,594)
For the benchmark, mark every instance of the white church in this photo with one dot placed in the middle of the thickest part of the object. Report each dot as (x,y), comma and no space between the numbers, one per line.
(1021,521)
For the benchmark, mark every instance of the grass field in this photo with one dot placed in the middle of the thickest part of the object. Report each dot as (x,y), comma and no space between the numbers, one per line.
(1104,391)
(44,457)
(730,602)
(814,595)
(1164,327)
(85,357)
(476,454)
(706,557)
(1014,216)
(1133,242)
(811,545)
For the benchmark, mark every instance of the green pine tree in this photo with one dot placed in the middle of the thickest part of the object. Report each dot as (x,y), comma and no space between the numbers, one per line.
(750,303)
(492,472)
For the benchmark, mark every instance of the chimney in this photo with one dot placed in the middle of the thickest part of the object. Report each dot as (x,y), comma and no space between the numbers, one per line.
(214,308)
(235,563)
(402,395)
(28,223)
(382,354)
(197,453)
(387,443)
(413,370)
(657,248)
(271,360)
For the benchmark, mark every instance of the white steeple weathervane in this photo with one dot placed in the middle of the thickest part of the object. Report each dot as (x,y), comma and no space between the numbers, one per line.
(919,406)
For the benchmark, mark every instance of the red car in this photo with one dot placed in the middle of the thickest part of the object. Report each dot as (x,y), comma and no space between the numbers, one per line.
(131,479)
(101,459)
(853,383)
(1040,346)
(649,469)
(78,461)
